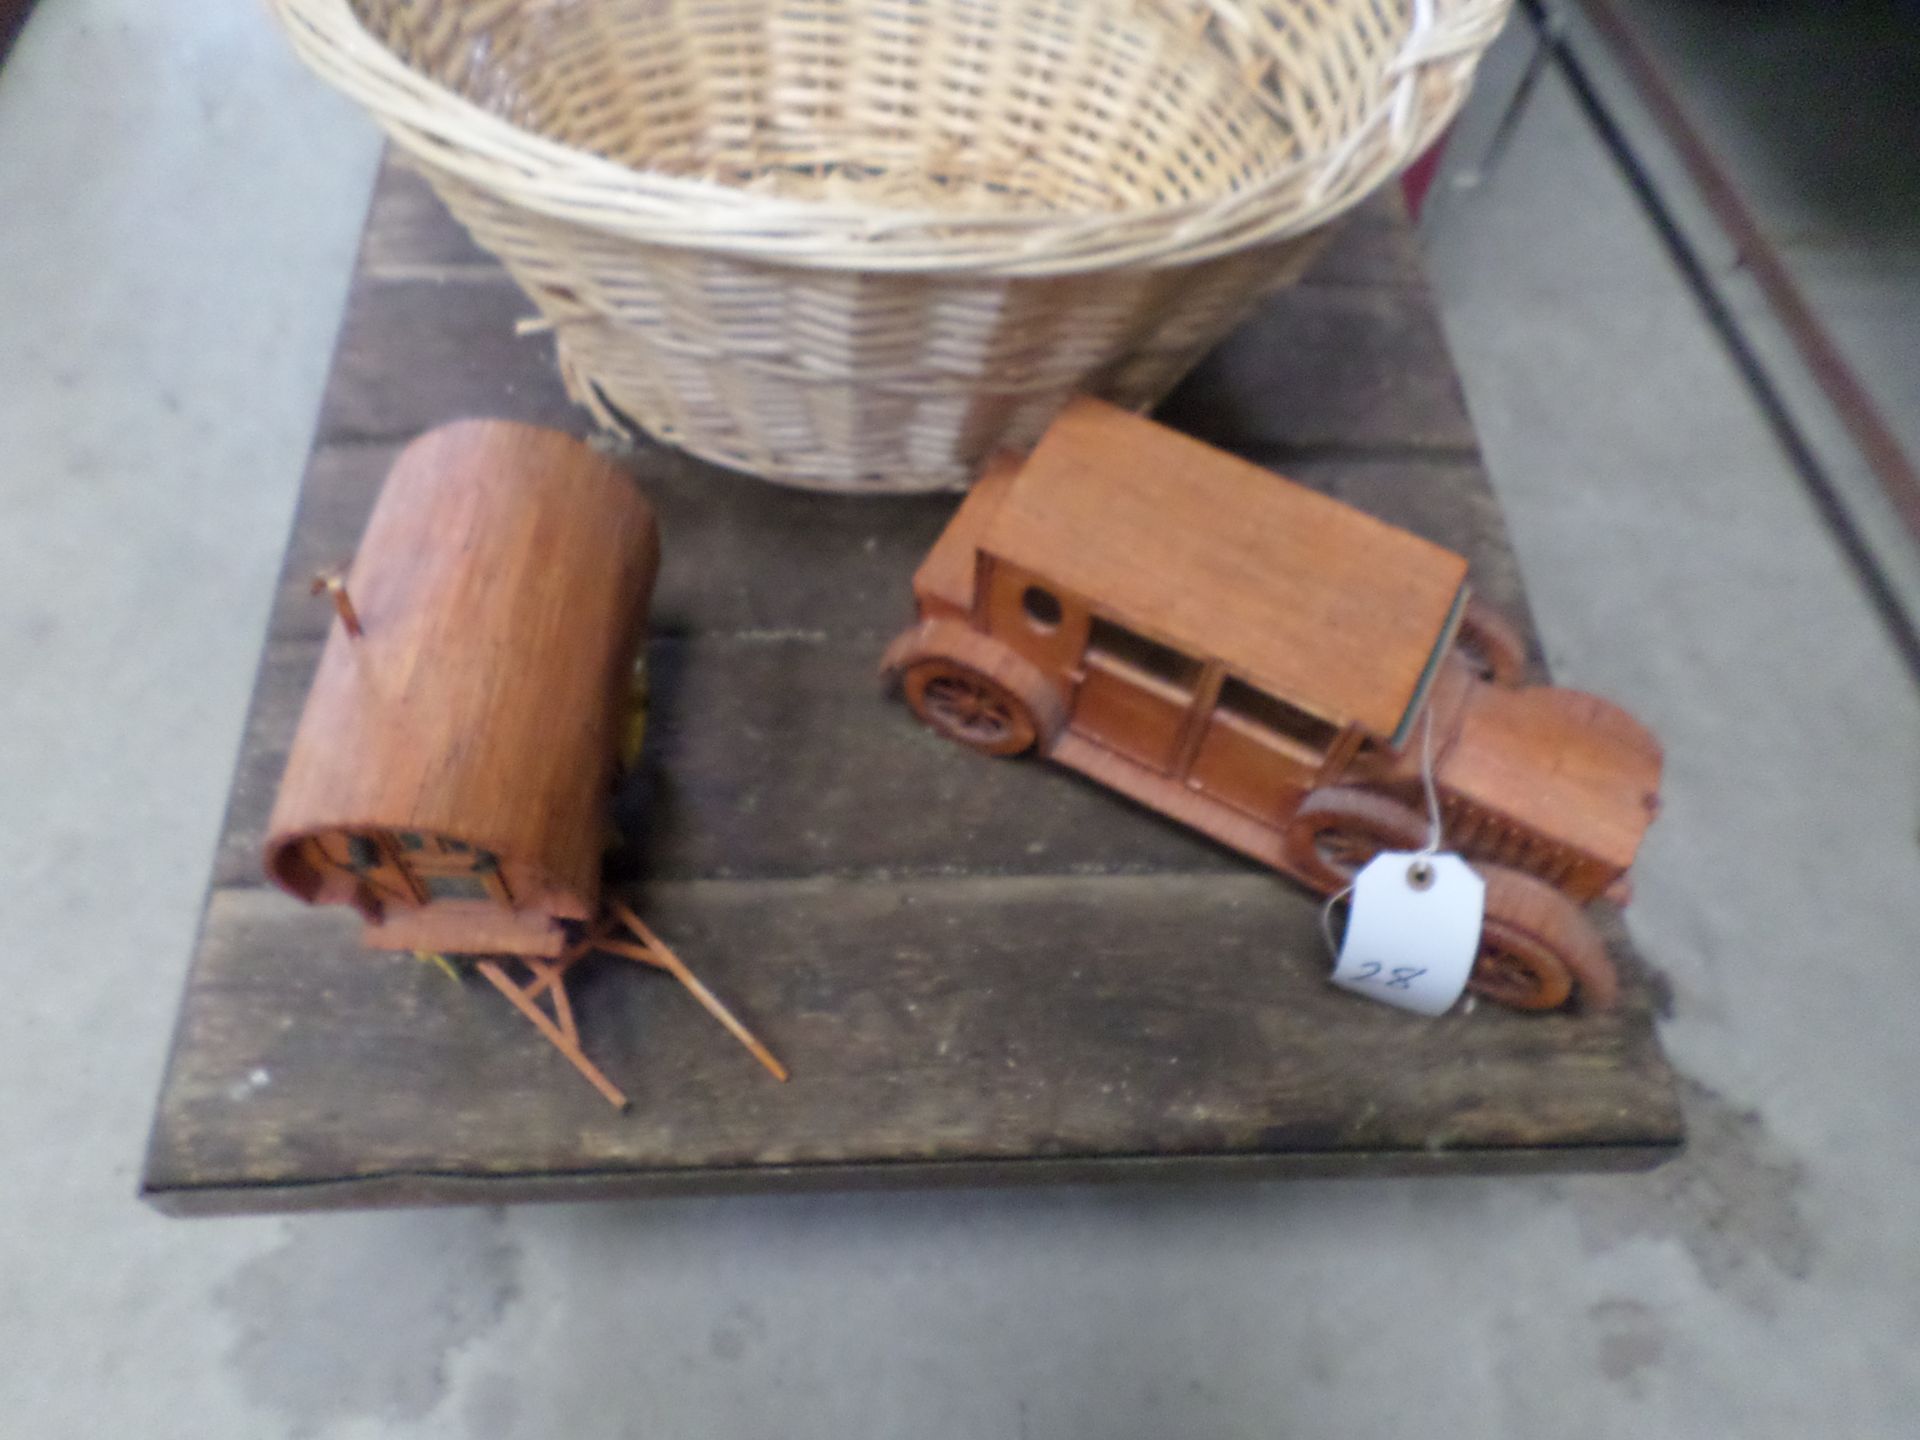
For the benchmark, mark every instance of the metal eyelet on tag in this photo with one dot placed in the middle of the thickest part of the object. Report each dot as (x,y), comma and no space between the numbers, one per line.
(1413,930)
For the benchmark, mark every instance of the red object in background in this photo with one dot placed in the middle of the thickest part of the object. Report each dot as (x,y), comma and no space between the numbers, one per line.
(1418,177)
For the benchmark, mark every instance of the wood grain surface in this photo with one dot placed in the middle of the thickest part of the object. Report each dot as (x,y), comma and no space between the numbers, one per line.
(977,970)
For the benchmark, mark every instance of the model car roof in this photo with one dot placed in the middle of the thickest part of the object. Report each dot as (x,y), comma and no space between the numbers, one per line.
(1324,605)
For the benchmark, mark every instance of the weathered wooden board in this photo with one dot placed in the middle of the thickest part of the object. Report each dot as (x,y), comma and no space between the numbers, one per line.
(977,970)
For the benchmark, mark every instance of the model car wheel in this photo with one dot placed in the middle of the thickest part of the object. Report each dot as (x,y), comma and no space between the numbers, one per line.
(969,706)
(1537,949)
(1490,645)
(1335,832)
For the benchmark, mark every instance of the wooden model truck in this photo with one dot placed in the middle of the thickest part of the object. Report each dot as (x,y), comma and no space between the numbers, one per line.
(1270,667)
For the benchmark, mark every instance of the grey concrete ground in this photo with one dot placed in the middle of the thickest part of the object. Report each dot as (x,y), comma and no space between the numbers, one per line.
(177,206)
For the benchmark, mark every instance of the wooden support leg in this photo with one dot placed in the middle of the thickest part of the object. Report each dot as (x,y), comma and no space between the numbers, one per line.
(562,1006)
(653,951)
(563,1036)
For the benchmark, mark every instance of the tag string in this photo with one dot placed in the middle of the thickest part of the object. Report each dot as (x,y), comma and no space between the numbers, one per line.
(1435,833)
(1326,918)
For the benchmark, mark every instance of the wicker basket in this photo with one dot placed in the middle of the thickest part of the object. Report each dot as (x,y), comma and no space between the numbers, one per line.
(860,244)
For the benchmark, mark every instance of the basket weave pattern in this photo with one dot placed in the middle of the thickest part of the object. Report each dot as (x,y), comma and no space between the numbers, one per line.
(859,244)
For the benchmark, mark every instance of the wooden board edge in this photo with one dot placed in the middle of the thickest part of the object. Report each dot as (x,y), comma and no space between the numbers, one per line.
(254,698)
(426,1189)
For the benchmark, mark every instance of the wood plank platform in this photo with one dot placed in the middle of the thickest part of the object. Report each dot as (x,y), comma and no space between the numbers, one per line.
(977,970)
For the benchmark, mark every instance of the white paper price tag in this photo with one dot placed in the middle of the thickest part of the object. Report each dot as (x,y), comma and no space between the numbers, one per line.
(1413,931)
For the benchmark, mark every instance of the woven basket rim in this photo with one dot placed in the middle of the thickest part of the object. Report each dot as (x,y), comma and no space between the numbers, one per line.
(445,131)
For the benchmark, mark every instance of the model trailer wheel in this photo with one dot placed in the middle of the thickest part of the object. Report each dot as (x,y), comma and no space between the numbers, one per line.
(1490,645)
(1537,949)
(1335,832)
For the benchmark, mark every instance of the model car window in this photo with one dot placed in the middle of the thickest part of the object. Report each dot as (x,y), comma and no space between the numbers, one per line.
(1042,607)
(1268,712)
(1117,644)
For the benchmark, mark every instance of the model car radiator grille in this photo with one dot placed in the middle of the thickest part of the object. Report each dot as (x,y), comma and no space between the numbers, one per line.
(1480,836)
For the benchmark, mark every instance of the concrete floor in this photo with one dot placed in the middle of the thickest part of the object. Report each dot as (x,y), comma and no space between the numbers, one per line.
(180,205)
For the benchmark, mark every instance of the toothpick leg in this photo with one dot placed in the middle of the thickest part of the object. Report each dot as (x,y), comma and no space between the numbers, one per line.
(559,1040)
(654,951)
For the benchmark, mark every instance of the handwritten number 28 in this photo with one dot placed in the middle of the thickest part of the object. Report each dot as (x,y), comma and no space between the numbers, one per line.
(1401,977)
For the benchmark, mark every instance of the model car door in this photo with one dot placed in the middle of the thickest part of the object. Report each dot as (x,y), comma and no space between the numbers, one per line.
(1136,695)
(1259,754)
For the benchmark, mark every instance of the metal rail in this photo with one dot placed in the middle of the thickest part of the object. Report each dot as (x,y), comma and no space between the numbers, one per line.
(1854,407)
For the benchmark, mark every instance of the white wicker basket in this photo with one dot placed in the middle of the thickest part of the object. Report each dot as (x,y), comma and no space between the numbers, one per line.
(860,244)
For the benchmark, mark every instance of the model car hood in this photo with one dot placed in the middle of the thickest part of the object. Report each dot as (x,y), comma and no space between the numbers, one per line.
(1561,763)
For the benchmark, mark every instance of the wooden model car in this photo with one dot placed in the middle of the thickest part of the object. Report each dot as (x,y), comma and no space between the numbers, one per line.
(1270,666)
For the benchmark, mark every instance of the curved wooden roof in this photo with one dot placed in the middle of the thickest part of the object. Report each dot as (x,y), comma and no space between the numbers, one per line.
(502,587)
(1314,600)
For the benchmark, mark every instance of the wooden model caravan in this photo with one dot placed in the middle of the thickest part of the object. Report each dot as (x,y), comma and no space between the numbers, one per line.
(450,777)
(1270,666)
